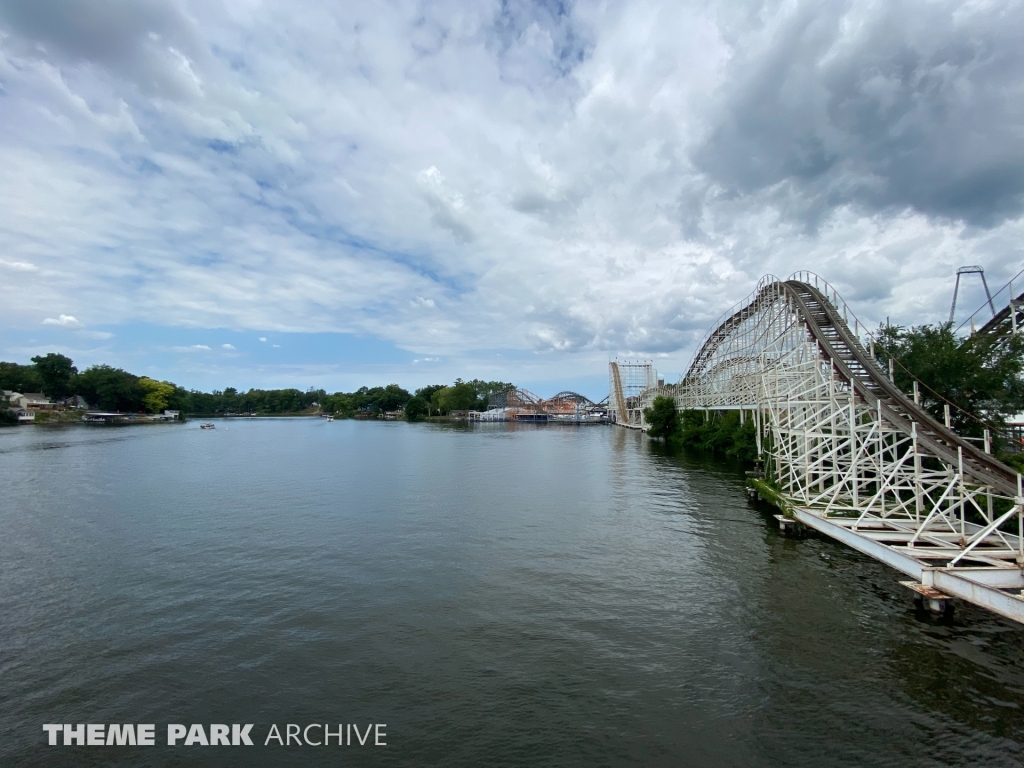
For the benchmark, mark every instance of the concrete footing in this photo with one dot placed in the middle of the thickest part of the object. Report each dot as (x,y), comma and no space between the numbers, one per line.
(789,526)
(930,599)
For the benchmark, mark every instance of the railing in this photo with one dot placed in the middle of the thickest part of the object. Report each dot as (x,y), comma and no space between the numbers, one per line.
(819,282)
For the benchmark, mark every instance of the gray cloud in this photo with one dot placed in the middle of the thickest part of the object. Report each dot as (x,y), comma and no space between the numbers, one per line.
(889,106)
(148,42)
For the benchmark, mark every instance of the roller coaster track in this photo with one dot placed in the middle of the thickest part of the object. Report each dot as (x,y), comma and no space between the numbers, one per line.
(851,455)
(1009,320)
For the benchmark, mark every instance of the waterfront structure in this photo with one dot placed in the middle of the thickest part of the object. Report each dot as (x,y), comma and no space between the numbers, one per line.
(850,455)
(518,404)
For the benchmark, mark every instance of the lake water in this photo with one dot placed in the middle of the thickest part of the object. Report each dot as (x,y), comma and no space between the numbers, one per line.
(496,595)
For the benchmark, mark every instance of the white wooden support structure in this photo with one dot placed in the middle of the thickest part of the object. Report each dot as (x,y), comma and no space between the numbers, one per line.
(854,457)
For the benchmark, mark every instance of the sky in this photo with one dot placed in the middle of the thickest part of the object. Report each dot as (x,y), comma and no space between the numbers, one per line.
(254,193)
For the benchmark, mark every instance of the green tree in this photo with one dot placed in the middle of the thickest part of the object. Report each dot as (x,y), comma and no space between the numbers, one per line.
(428,391)
(720,432)
(57,373)
(157,394)
(458,397)
(20,378)
(392,397)
(484,389)
(8,418)
(111,389)
(979,374)
(416,408)
(663,418)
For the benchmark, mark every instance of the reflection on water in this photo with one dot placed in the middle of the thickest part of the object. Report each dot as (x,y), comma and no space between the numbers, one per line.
(496,595)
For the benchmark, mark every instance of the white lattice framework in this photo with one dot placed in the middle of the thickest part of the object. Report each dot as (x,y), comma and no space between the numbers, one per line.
(849,456)
(627,382)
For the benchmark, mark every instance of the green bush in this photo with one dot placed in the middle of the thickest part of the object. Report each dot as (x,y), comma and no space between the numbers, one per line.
(663,418)
(717,432)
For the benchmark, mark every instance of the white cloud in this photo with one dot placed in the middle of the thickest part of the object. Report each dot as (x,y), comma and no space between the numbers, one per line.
(605,178)
(18,266)
(227,346)
(64,321)
(192,348)
(98,335)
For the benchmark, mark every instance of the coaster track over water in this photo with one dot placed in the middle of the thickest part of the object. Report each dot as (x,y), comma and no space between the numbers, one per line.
(851,455)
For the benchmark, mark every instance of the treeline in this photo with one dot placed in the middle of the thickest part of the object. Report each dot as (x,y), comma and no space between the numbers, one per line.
(114,389)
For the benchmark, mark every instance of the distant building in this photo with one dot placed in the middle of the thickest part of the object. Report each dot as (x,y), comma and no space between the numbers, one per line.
(76,401)
(36,401)
(105,417)
(171,415)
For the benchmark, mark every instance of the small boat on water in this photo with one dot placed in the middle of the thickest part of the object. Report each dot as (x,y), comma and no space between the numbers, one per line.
(330,418)
(207,425)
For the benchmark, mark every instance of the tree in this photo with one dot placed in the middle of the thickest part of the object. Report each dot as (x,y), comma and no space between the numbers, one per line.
(8,418)
(663,418)
(428,391)
(458,397)
(20,378)
(111,389)
(392,397)
(719,432)
(157,394)
(484,389)
(57,373)
(979,374)
(416,409)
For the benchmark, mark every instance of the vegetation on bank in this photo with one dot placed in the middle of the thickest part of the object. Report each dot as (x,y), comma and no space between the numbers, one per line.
(719,432)
(114,389)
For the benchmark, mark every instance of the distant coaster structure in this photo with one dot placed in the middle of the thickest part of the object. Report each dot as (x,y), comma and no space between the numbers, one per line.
(519,404)
(847,453)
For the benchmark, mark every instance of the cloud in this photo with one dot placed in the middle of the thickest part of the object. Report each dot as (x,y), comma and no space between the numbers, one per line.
(98,335)
(192,348)
(64,321)
(227,346)
(571,180)
(892,106)
(448,207)
(148,42)
(417,361)
(18,266)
